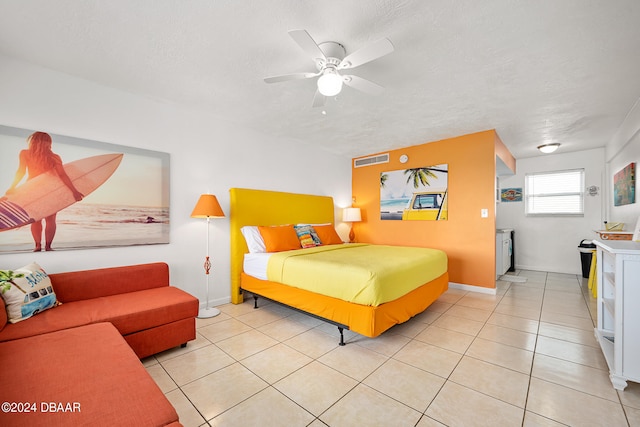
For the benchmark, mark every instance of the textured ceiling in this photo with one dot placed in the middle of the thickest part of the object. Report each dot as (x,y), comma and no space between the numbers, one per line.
(566,71)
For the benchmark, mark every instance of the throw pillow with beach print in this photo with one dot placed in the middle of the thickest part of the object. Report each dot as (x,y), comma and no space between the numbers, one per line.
(26,291)
(307,235)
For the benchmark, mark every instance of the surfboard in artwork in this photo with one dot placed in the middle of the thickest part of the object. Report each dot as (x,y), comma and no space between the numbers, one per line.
(46,194)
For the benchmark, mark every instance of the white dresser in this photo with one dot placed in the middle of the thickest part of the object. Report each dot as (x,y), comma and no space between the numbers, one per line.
(618,326)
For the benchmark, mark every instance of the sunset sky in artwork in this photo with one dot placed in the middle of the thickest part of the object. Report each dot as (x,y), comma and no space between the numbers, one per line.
(136,182)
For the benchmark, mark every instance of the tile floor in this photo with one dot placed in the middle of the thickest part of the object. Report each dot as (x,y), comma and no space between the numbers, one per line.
(524,357)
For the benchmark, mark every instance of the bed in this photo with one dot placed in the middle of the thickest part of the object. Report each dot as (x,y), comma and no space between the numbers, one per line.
(270,208)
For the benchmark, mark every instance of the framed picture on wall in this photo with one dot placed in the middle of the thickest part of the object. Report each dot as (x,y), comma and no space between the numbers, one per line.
(624,186)
(511,195)
(60,193)
(415,194)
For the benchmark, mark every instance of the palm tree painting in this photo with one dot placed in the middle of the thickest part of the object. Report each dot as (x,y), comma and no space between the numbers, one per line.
(415,193)
(7,278)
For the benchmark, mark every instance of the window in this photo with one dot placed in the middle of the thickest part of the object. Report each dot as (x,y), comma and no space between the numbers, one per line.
(555,193)
(427,201)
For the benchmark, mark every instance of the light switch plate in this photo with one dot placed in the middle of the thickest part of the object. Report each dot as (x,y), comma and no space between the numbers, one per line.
(484,213)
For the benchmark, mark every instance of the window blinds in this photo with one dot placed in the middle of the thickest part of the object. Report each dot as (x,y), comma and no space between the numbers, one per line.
(555,193)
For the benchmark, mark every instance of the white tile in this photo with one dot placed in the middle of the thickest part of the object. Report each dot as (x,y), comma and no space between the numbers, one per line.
(464,361)
(354,361)
(315,387)
(429,358)
(386,344)
(514,322)
(217,392)
(246,344)
(188,414)
(577,353)
(508,336)
(572,407)
(501,355)
(405,383)
(364,406)
(456,405)
(493,380)
(314,343)
(267,408)
(162,379)
(196,364)
(567,333)
(223,330)
(459,324)
(445,338)
(573,375)
(276,362)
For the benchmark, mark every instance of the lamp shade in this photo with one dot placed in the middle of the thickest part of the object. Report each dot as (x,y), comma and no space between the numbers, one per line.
(351,215)
(330,83)
(207,207)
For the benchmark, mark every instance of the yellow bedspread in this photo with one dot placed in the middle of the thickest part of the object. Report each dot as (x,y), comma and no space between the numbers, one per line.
(360,273)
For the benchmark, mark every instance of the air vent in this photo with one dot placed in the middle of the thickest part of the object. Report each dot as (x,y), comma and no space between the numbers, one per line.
(371,160)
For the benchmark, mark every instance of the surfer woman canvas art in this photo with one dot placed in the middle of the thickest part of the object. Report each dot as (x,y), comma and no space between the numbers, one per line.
(71,193)
(36,160)
(50,187)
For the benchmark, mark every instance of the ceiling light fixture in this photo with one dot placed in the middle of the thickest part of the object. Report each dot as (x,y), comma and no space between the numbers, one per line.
(548,148)
(330,82)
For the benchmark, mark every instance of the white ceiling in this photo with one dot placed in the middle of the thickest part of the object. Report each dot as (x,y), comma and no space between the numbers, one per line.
(566,71)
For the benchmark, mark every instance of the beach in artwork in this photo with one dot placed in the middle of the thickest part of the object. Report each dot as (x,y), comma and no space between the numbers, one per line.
(392,208)
(107,225)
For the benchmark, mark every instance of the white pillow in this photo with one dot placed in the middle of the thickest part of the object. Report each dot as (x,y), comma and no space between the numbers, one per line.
(254,240)
(26,291)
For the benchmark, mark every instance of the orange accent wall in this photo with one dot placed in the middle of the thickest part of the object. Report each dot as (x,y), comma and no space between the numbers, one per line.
(468,239)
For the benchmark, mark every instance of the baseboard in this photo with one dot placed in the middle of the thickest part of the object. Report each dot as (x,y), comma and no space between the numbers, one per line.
(471,288)
(215,302)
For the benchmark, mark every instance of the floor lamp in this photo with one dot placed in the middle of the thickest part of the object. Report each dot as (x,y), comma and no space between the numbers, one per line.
(207,207)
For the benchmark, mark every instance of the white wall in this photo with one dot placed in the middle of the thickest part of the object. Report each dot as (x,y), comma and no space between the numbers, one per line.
(624,148)
(550,243)
(207,155)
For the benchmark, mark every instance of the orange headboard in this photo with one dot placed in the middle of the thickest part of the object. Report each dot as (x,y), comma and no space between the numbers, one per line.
(260,207)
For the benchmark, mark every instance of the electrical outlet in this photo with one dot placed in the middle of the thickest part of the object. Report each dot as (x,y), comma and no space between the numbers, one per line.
(484,213)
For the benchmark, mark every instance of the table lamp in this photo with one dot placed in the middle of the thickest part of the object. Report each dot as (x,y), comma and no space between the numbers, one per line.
(351,215)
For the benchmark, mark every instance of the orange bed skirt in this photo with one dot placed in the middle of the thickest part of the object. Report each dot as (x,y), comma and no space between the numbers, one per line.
(366,320)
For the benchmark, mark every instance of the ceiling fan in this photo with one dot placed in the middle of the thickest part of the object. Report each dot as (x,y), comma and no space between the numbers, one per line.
(331,58)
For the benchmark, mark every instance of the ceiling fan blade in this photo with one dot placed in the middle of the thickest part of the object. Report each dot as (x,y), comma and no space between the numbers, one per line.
(318,99)
(366,54)
(363,85)
(306,42)
(294,76)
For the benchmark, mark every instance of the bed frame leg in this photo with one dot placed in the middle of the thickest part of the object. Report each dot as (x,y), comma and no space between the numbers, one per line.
(255,301)
(341,329)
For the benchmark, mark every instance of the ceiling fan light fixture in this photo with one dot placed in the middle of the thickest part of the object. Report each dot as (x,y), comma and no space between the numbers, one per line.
(548,148)
(330,83)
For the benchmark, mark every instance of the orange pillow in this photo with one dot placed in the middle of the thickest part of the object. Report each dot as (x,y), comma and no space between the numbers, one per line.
(279,238)
(328,235)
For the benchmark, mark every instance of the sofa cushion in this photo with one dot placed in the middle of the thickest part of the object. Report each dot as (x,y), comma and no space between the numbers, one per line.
(129,312)
(102,282)
(26,291)
(92,368)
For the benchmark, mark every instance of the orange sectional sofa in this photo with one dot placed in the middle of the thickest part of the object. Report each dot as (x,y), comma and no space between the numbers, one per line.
(86,351)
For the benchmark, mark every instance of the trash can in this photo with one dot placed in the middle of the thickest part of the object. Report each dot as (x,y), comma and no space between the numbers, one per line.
(586,248)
